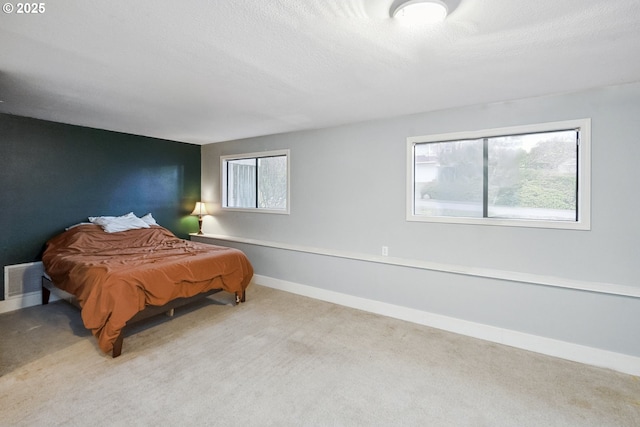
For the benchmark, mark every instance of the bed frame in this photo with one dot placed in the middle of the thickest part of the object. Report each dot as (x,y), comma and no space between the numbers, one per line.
(149,311)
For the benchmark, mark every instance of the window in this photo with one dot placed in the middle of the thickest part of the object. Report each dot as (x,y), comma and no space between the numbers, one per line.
(257,181)
(529,176)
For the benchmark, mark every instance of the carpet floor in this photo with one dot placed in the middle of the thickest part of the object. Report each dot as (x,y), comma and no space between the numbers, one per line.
(285,360)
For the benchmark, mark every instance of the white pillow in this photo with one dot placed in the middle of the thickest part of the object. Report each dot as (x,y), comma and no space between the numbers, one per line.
(77,225)
(113,224)
(99,220)
(149,219)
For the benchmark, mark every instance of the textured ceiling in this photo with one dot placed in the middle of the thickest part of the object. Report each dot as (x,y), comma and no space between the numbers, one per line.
(206,71)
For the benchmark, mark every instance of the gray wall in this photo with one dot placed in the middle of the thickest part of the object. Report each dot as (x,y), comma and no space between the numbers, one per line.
(348,194)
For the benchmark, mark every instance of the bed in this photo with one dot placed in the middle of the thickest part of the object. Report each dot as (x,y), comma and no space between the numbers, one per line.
(119,277)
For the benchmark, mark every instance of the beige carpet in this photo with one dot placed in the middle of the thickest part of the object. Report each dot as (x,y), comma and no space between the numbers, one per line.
(285,360)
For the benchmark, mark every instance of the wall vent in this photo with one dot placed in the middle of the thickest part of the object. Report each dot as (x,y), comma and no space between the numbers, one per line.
(22,279)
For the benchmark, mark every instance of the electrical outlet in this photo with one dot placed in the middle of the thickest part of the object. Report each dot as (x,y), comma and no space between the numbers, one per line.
(385,251)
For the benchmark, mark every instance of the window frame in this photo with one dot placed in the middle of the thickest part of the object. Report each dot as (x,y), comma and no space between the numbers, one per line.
(257,155)
(583,221)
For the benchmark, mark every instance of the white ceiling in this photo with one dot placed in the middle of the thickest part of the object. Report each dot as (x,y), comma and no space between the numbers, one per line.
(206,71)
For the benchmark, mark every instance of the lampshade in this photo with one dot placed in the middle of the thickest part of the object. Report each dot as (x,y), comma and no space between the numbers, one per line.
(200,209)
(421,11)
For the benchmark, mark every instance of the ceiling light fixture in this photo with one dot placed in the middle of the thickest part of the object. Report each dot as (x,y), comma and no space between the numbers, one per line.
(421,11)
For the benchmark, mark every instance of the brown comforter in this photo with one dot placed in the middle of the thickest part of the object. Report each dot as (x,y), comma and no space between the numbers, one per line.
(115,275)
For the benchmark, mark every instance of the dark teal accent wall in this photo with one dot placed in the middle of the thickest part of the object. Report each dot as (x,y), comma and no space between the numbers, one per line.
(54,175)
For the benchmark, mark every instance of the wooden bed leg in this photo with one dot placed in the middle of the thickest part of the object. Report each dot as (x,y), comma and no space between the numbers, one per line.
(117,346)
(170,313)
(240,297)
(46,293)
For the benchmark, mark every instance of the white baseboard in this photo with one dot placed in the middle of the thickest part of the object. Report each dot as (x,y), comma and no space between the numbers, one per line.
(565,350)
(24,301)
